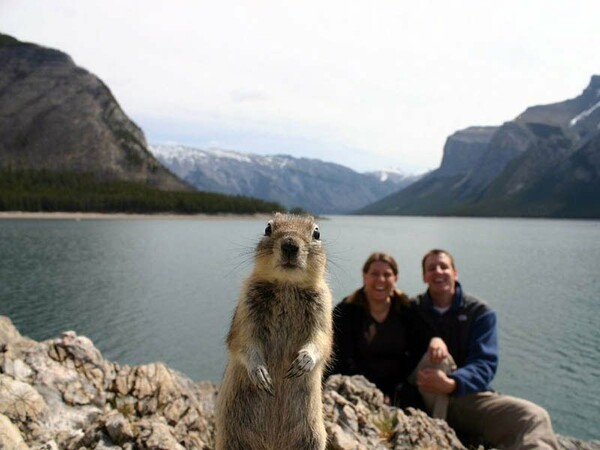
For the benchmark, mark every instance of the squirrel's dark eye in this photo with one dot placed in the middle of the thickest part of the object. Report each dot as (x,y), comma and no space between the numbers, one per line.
(316,233)
(269,229)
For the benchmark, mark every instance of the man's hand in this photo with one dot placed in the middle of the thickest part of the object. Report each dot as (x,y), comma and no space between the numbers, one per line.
(435,381)
(437,350)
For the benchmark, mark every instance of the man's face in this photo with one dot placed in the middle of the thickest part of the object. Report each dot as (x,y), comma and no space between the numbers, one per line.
(439,274)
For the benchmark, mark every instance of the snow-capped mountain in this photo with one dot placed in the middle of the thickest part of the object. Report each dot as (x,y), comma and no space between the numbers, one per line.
(316,186)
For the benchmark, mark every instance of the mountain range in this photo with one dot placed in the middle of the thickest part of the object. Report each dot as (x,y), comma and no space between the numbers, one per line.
(58,118)
(543,163)
(309,184)
(66,145)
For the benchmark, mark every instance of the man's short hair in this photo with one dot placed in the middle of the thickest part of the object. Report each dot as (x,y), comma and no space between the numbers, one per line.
(437,251)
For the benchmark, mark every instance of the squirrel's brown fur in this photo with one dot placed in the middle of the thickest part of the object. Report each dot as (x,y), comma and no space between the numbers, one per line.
(279,342)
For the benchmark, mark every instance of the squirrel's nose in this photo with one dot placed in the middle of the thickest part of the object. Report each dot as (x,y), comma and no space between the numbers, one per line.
(289,247)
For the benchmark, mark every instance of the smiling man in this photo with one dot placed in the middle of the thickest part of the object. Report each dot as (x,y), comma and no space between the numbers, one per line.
(450,322)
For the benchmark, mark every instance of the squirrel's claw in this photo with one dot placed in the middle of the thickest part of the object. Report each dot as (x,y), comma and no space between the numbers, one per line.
(303,363)
(262,380)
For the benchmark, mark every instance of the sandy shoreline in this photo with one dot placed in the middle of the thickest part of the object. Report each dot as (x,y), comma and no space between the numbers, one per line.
(123,216)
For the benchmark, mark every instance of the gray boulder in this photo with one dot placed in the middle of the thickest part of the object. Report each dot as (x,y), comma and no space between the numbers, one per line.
(62,394)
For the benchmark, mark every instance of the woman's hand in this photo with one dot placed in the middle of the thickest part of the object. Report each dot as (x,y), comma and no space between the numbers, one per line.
(437,350)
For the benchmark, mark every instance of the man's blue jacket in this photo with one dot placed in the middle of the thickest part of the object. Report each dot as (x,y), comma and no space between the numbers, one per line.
(469,330)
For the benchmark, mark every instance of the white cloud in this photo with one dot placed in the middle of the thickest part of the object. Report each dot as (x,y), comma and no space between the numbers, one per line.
(248,95)
(386,81)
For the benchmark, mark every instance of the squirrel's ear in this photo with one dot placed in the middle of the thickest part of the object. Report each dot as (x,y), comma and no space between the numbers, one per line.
(269,228)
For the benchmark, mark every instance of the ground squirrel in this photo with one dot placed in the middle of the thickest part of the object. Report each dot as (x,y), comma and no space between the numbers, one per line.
(279,342)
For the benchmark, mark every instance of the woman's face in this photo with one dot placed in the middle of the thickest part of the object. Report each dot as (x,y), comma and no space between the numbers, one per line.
(379,281)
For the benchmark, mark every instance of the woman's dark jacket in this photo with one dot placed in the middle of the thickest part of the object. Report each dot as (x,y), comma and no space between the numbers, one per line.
(379,351)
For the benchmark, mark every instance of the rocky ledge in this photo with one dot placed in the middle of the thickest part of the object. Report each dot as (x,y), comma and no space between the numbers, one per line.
(62,394)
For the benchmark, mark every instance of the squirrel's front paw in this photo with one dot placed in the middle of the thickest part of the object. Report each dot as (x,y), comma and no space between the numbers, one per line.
(261,379)
(303,363)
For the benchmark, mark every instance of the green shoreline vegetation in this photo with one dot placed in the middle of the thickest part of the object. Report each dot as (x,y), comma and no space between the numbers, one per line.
(46,191)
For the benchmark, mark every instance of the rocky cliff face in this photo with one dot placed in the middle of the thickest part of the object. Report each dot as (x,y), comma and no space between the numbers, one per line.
(316,186)
(574,182)
(463,149)
(62,394)
(512,175)
(57,116)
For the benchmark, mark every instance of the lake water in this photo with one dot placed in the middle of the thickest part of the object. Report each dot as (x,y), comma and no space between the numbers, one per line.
(164,290)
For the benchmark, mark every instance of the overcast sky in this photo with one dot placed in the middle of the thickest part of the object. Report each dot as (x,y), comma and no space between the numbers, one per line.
(370,85)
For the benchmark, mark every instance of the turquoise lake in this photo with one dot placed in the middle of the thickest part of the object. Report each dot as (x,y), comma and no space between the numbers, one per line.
(164,290)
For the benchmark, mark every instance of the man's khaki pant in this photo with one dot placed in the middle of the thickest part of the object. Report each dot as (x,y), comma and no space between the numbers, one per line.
(505,422)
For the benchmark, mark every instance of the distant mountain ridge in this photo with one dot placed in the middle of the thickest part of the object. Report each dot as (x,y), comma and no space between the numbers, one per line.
(311,184)
(544,163)
(57,116)
(66,145)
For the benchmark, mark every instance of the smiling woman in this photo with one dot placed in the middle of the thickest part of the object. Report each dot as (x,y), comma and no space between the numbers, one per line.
(379,281)
(370,330)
